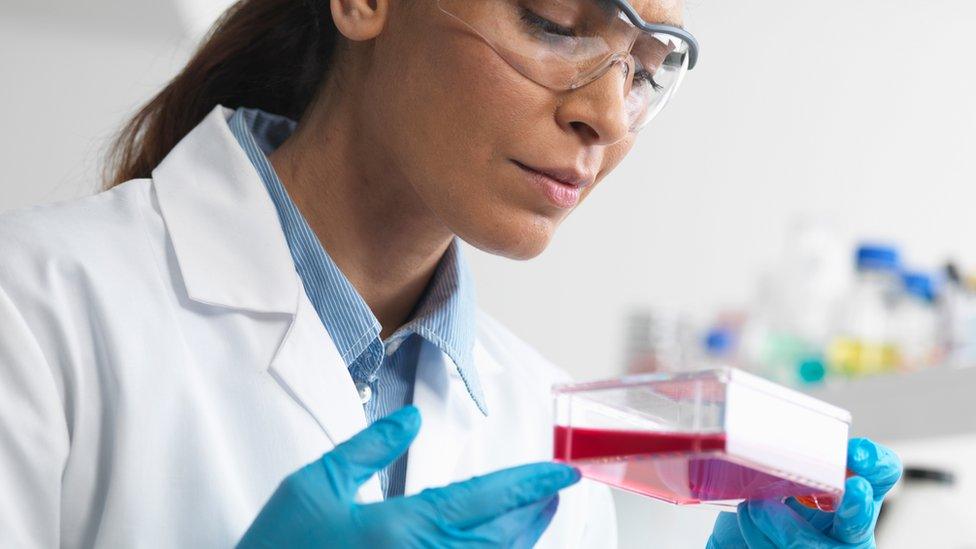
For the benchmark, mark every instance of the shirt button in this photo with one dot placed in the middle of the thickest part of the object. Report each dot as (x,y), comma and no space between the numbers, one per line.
(365,392)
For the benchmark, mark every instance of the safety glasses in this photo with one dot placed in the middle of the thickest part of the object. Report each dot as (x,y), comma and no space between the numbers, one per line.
(566,44)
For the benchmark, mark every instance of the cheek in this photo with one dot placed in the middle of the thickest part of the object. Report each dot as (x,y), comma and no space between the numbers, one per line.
(469,102)
(491,108)
(450,109)
(449,112)
(613,156)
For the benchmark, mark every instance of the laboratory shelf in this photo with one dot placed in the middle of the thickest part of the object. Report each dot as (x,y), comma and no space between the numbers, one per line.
(936,402)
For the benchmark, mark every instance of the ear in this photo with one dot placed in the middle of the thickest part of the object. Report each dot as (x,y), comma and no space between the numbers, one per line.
(359,20)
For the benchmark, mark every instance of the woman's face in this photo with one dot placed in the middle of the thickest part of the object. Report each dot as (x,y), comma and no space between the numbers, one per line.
(470,134)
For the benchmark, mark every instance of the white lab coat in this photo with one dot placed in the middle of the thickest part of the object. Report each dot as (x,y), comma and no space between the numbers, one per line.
(161,370)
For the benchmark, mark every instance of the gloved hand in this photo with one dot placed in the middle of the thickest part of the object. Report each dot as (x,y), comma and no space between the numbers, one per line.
(771,524)
(315,507)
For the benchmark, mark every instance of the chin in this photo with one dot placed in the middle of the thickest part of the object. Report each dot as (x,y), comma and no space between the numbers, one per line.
(520,241)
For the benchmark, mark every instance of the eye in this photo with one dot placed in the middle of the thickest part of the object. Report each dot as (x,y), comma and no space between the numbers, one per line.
(646,77)
(652,55)
(541,24)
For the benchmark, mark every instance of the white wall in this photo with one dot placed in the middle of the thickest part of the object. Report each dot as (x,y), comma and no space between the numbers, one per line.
(66,84)
(860,111)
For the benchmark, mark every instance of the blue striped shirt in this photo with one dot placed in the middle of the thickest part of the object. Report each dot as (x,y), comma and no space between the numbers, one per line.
(384,371)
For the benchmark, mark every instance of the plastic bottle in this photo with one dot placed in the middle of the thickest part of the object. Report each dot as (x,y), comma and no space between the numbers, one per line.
(863,343)
(774,352)
(658,340)
(790,321)
(916,325)
(958,307)
(640,343)
(720,346)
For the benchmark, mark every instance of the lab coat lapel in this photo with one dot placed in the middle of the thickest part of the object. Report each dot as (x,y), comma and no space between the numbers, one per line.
(308,366)
(449,416)
(232,253)
(222,224)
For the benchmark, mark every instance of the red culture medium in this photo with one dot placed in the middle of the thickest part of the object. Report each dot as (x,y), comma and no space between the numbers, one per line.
(682,468)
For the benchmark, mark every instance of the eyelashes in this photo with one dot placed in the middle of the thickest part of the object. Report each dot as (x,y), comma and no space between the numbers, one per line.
(554,33)
(648,77)
(542,24)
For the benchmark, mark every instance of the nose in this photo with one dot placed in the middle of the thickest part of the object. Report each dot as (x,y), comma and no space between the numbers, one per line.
(597,111)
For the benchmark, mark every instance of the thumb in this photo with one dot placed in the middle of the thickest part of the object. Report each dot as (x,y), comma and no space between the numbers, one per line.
(351,463)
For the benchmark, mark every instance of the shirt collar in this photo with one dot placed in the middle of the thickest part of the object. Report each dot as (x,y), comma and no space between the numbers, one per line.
(446,313)
(446,317)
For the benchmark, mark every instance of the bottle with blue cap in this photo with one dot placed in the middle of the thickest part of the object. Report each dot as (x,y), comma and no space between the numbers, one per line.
(864,340)
(916,322)
(720,342)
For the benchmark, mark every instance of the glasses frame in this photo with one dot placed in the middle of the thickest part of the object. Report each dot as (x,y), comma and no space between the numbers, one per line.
(677,32)
(627,12)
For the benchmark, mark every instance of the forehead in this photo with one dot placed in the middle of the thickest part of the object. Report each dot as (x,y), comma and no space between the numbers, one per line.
(660,11)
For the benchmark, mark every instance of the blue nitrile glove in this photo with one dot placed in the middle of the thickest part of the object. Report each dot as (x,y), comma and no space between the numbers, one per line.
(315,507)
(771,524)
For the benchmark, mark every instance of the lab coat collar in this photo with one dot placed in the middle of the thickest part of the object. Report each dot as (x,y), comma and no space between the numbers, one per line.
(232,253)
(223,226)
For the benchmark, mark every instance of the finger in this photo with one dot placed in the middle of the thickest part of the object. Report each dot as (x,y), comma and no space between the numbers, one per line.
(820,520)
(535,530)
(726,534)
(518,528)
(478,500)
(854,519)
(351,463)
(783,527)
(503,531)
(876,463)
(751,533)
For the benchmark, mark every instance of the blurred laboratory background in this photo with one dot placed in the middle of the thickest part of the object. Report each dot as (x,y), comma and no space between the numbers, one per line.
(804,209)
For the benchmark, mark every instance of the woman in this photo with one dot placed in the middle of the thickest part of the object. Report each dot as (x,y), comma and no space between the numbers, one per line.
(186,359)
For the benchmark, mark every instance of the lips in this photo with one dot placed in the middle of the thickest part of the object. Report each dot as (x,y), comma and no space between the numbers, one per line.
(567,176)
(561,187)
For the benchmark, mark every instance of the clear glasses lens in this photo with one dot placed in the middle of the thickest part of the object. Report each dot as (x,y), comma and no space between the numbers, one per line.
(566,44)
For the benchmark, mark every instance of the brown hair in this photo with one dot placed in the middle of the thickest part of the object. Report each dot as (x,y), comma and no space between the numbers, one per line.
(265,54)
